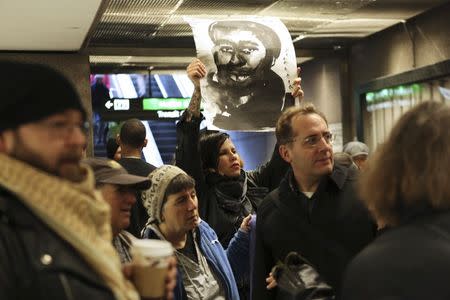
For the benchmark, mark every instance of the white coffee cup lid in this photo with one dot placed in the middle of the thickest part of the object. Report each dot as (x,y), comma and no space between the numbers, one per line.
(154,248)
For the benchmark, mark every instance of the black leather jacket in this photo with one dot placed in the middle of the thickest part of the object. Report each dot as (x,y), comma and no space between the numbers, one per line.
(35,263)
(224,213)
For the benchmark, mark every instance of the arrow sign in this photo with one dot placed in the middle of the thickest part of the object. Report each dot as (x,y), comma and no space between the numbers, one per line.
(109,104)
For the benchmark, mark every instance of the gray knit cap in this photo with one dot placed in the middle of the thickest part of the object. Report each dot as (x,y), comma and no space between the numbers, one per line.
(154,196)
(356,148)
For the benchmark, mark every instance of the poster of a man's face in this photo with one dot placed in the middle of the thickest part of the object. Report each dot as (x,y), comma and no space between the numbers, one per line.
(249,71)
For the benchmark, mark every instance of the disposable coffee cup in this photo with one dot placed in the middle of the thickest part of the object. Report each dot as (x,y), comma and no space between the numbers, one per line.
(150,259)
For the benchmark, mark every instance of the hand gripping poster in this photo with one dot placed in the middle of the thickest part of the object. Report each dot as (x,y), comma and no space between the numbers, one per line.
(251,67)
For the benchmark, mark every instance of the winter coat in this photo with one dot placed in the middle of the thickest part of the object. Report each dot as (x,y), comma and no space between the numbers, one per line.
(139,215)
(228,265)
(35,263)
(408,262)
(223,212)
(328,234)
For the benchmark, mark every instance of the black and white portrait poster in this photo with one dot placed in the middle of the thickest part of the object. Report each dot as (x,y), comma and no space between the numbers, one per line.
(251,66)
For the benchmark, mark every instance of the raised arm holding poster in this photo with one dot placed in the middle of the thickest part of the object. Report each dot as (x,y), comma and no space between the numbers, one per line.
(251,67)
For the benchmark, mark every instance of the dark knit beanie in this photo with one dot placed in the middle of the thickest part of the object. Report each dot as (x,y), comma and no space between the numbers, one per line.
(31,92)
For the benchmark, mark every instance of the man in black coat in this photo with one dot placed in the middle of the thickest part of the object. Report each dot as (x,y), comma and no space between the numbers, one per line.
(55,236)
(314,211)
(131,141)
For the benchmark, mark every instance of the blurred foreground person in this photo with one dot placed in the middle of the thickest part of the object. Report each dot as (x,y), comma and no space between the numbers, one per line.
(406,187)
(55,232)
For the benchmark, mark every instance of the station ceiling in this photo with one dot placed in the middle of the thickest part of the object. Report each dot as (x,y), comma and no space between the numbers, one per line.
(153,34)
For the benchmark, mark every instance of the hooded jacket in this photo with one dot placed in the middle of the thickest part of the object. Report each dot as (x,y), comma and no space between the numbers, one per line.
(228,265)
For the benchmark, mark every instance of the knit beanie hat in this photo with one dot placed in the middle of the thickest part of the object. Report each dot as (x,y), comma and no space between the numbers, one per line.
(356,148)
(154,196)
(33,92)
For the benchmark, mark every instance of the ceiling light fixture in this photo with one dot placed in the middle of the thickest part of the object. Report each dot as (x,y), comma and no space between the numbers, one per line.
(300,37)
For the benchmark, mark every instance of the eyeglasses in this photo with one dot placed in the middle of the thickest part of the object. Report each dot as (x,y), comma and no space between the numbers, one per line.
(63,129)
(313,140)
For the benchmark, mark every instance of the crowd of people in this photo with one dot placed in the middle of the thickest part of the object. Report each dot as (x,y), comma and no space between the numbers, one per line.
(308,224)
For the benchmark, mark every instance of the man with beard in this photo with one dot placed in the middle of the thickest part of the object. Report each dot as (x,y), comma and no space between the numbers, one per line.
(245,92)
(55,232)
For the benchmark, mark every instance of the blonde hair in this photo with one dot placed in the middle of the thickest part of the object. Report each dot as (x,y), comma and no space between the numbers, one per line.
(409,173)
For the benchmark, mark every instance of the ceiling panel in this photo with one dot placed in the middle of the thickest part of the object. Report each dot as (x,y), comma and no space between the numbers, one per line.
(394,9)
(137,27)
(300,25)
(363,26)
(151,23)
(320,9)
(226,7)
(141,7)
(45,25)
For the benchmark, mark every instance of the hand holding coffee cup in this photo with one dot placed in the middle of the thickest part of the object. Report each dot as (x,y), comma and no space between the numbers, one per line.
(151,264)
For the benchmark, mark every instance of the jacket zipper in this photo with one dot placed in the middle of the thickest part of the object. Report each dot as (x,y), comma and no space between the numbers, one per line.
(66,287)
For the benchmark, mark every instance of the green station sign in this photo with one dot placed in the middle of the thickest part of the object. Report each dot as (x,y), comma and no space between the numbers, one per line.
(165,103)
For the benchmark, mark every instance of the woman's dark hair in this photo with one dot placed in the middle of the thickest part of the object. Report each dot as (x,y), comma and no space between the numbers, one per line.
(179,183)
(111,148)
(210,144)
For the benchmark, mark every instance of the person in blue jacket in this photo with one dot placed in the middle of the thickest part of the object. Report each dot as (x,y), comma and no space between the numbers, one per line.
(207,270)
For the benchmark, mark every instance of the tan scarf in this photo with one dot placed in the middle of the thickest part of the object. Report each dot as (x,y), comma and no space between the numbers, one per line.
(76,212)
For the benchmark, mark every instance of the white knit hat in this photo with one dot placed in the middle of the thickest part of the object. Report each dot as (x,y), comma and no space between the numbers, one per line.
(152,198)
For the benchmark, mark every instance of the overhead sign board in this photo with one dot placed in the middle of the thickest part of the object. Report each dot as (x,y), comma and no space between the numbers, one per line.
(144,108)
(165,104)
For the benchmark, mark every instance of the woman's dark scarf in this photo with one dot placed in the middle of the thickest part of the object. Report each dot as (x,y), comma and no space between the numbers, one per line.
(231,192)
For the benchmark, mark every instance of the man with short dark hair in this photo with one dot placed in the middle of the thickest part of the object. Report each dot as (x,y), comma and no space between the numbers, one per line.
(245,92)
(55,234)
(131,141)
(315,211)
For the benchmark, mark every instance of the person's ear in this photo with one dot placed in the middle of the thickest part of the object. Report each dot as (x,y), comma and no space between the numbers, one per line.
(163,210)
(6,141)
(2,144)
(145,143)
(285,153)
(118,139)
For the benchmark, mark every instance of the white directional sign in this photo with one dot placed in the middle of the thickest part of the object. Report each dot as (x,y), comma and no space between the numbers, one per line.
(109,104)
(121,104)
